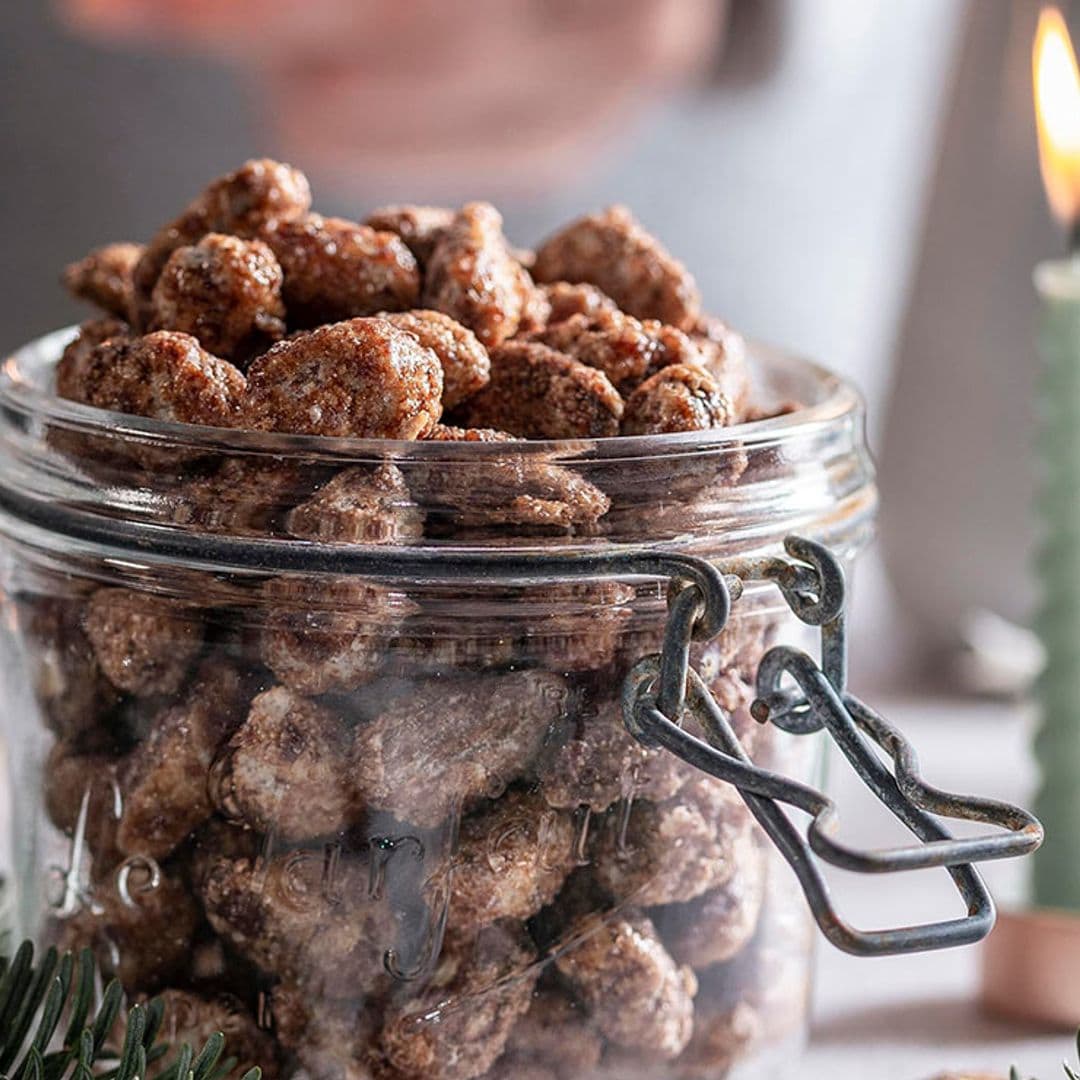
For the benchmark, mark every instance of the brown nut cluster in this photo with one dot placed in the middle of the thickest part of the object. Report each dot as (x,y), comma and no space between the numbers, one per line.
(636,993)
(224,291)
(336,270)
(386,829)
(613,252)
(376,330)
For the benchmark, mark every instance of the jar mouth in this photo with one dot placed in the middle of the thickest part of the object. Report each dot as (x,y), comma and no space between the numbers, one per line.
(823,398)
(110,486)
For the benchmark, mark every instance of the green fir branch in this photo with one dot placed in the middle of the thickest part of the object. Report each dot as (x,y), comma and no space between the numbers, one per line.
(36,998)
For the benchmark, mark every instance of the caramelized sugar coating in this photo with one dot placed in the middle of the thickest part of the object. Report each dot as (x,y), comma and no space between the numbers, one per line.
(305,916)
(244,496)
(244,203)
(192,1018)
(336,270)
(80,781)
(538,393)
(69,686)
(613,252)
(452,433)
(472,276)
(105,278)
(682,397)
(71,369)
(164,780)
(143,642)
(224,291)
(626,350)
(360,505)
(555,1035)
(676,850)
(490,728)
(636,994)
(513,856)
(504,489)
(328,635)
(724,357)
(164,375)
(722,1037)
(597,762)
(465,363)
(577,625)
(286,768)
(568,298)
(329,1039)
(418,226)
(458,1025)
(141,924)
(363,378)
(715,926)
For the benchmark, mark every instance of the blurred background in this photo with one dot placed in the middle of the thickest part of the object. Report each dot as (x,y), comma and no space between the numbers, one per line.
(856,180)
(853,179)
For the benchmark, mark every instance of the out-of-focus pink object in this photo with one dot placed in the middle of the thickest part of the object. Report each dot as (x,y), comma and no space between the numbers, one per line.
(1031,968)
(507,93)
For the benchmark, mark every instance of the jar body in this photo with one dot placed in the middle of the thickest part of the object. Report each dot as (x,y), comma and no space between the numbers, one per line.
(392,825)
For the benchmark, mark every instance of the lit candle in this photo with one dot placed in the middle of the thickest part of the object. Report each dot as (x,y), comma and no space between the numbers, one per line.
(1057,746)
(1031,963)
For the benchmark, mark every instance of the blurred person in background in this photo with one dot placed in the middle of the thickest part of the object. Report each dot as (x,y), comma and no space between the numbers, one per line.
(782,148)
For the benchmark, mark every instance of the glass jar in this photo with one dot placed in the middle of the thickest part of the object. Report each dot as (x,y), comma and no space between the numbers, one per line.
(321,739)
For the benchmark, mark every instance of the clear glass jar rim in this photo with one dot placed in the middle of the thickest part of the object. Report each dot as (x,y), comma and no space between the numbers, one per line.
(22,390)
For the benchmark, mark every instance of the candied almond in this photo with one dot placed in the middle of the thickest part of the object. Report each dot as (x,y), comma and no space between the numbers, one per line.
(673,851)
(224,291)
(465,362)
(163,780)
(626,350)
(567,298)
(450,433)
(244,203)
(713,927)
(509,488)
(104,278)
(512,858)
(681,397)
(613,252)
(335,269)
(164,375)
(71,370)
(285,768)
(539,393)
(144,643)
(322,636)
(490,728)
(140,923)
(458,1025)
(365,504)
(636,993)
(723,356)
(472,276)
(418,226)
(363,378)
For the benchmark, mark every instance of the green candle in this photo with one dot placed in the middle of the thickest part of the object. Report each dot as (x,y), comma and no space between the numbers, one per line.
(1057,745)
(1056,81)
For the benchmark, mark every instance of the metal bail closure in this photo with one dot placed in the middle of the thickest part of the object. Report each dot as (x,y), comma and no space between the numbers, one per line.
(661,688)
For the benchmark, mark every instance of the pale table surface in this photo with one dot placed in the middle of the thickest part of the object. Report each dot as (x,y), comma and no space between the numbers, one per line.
(906,1018)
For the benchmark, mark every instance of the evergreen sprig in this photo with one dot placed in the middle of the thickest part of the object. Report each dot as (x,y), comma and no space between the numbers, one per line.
(36,999)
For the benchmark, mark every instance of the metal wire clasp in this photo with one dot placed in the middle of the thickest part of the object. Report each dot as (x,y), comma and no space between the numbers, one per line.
(661,688)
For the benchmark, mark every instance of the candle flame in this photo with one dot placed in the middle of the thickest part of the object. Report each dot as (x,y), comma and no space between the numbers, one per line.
(1057,112)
